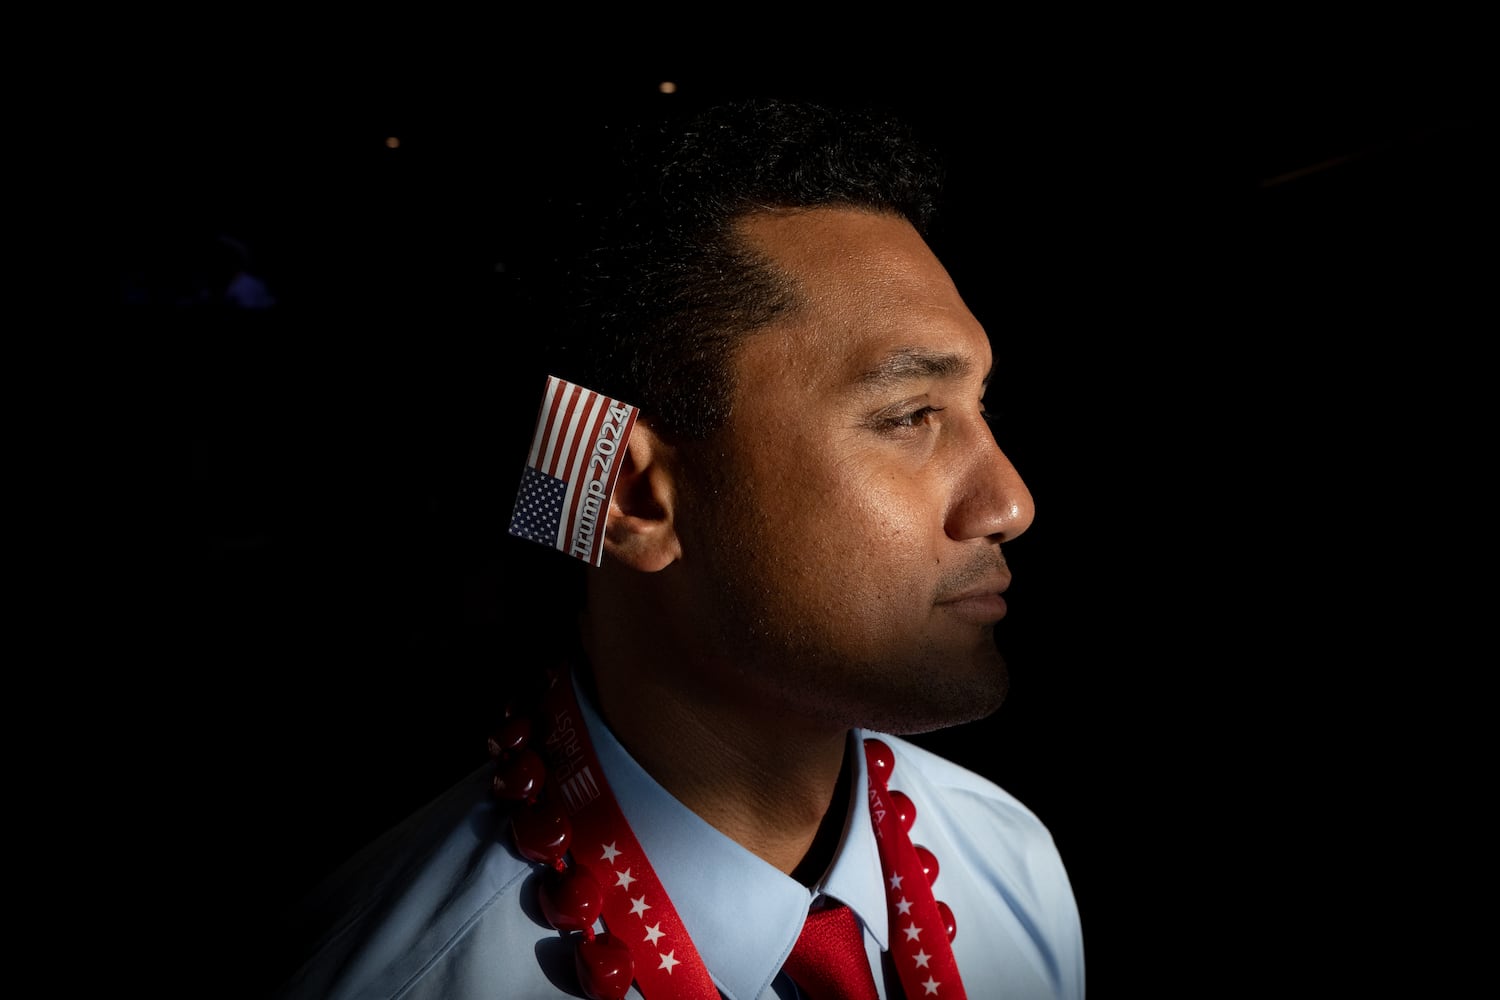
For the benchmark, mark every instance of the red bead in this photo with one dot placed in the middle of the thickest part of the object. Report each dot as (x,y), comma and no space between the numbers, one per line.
(905,811)
(949,923)
(571,899)
(929,863)
(605,967)
(520,777)
(511,736)
(880,760)
(542,832)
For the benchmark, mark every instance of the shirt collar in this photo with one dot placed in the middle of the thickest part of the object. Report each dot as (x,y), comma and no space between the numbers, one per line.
(855,877)
(743,914)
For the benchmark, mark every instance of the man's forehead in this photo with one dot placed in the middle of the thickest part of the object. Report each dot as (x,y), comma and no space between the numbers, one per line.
(876,309)
(831,237)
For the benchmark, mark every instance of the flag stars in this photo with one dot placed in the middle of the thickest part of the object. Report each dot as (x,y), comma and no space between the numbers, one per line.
(639,906)
(624,878)
(538,510)
(610,853)
(896,881)
(912,932)
(921,958)
(930,987)
(654,933)
(903,906)
(668,960)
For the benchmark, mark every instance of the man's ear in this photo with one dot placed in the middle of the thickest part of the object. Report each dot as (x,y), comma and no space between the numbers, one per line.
(641,532)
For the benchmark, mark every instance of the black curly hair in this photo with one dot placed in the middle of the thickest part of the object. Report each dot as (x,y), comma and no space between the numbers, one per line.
(664,286)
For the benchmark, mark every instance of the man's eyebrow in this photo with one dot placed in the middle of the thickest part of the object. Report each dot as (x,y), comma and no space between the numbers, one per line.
(910,363)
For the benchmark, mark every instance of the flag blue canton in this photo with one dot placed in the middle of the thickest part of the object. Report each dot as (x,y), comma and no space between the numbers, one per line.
(539,507)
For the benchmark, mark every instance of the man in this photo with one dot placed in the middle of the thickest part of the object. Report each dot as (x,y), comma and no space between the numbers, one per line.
(800,557)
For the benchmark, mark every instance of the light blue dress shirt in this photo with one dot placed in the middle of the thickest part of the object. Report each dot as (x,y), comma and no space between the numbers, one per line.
(443,908)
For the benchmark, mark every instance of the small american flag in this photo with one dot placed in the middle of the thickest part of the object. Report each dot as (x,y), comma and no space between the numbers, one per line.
(570,474)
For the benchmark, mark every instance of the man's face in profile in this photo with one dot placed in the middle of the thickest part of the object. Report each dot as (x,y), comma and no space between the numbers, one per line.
(845,542)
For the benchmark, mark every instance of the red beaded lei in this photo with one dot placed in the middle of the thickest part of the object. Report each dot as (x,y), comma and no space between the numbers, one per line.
(567,819)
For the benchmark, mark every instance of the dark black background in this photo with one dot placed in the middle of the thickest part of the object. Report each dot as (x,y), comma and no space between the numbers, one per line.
(1233,292)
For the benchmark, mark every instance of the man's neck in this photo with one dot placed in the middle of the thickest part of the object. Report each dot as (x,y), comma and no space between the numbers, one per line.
(774,785)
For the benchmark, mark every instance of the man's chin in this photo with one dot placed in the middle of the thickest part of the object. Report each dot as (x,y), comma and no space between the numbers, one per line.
(944,701)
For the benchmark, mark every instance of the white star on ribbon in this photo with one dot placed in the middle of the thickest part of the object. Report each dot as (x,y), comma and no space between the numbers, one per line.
(610,853)
(639,906)
(930,986)
(896,881)
(623,879)
(921,958)
(654,932)
(912,931)
(667,961)
(903,907)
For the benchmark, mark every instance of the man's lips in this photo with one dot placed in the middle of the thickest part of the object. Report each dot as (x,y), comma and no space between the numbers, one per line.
(981,603)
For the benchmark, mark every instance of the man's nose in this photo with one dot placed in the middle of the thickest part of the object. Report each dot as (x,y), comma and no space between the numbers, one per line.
(992,500)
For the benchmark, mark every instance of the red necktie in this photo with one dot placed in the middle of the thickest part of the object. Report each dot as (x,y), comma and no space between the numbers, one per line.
(829,962)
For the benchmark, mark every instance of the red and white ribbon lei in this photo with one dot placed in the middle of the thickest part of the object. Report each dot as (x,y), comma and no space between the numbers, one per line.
(638,914)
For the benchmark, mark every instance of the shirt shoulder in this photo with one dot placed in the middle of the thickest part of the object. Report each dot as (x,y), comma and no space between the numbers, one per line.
(417,914)
(999,870)
(951,783)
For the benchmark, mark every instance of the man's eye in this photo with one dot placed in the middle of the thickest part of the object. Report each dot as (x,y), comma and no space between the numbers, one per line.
(915,418)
